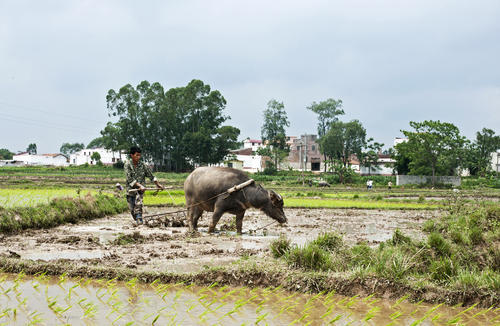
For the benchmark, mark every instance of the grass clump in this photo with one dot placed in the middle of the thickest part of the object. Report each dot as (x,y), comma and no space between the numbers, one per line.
(329,241)
(280,246)
(310,257)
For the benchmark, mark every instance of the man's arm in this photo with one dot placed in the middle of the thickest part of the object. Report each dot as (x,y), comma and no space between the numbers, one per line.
(151,177)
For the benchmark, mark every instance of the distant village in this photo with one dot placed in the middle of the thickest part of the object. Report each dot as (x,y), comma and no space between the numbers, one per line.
(304,155)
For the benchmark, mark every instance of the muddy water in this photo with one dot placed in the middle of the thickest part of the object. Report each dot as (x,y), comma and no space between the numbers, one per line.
(171,249)
(49,301)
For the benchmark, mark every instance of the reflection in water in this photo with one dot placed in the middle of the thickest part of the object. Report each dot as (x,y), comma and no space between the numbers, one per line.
(47,301)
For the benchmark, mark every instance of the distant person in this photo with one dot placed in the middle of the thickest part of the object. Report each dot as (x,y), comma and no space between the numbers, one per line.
(389,185)
(367,184)
(370,184)
(136,172)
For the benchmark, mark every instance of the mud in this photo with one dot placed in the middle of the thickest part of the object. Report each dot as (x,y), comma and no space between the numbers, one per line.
(114,242)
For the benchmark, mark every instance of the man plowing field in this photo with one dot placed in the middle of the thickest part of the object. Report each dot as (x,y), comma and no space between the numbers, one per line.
(136,172)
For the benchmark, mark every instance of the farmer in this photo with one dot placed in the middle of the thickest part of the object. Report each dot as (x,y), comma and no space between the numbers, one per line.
(136,172)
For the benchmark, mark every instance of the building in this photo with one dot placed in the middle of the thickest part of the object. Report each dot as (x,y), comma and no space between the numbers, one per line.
(254,144)
(107,157)
(384,166)
(495,161)
(304,154)
(11,163)
(245,159)
(42,159)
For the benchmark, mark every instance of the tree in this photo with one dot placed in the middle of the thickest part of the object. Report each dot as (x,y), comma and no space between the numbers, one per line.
(67,148)
(273,130)
(5,154)
(369,158)
(31,149)
(434,147)
(479,152)
(96,142)
(328,112)
(343,140)
(401,154)
(96,157)
(176,129)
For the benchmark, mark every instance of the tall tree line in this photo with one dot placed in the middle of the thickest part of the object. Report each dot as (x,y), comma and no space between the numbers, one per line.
(176,129)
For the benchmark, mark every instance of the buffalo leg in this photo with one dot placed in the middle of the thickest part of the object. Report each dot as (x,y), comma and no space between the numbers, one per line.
(215,218)
(239,222)
(193,216)
(196,216)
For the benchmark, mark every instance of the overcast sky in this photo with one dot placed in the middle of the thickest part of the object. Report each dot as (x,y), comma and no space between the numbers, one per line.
(390,62)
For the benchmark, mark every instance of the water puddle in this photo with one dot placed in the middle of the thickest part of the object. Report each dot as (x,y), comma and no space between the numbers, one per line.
(46,301)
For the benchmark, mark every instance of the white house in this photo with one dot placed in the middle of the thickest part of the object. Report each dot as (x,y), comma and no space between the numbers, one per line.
(384,166)
(84,156)
(495,161)
(254,144)
(42,159)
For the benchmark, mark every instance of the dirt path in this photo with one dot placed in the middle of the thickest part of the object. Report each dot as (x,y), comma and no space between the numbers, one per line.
(170,249)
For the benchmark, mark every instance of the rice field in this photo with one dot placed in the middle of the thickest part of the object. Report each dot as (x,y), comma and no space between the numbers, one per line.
(43,300)
(14,197)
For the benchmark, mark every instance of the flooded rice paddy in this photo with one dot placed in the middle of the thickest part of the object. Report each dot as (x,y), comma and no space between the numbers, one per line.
(162,248)
(41,300)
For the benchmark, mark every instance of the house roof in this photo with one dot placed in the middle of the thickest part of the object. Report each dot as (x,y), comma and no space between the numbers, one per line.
(254,141)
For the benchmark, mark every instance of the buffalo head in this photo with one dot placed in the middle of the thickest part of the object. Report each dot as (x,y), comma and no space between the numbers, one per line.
(274,207)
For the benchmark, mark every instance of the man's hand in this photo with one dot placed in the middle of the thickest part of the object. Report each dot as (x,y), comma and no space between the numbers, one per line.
(159,186)
(141,187)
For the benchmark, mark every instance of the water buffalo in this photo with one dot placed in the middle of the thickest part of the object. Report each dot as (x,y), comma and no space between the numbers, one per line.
(204,183)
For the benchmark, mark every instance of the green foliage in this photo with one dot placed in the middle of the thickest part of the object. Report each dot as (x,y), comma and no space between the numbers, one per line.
(67,148)
(280,246)
(96,157)
(478,154)
(5,154)
(175,129)
(342,141)
(31,149)
(433,148)
(273,131)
